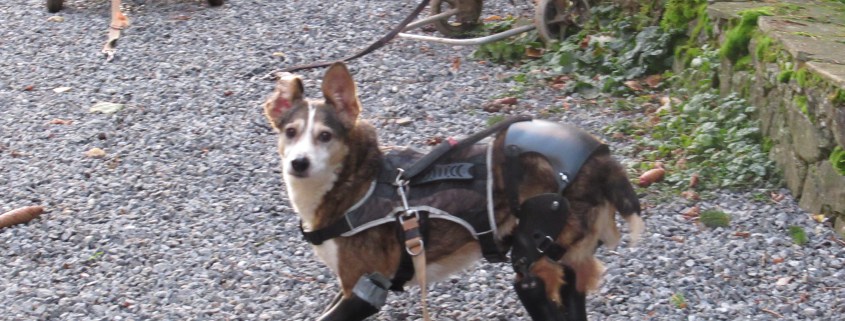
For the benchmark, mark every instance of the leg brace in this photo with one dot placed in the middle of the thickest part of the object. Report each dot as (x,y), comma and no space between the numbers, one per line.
(541,220)
(368,296)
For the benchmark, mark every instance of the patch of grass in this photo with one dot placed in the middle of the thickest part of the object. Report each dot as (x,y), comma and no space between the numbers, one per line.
(715,218)
(837,159)
(494,119)
(803,105)
(679,13)
(678,301)
(738,37)
(765,49)
(96,256)
(798,235)
(785,76)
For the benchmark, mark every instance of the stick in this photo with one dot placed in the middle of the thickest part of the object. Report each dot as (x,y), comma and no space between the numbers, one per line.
(772,312)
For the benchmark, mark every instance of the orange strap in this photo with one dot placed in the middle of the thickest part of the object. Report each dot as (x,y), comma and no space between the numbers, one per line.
(118,23)
(416,248)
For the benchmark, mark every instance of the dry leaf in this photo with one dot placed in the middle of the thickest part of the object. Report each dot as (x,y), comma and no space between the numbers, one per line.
(506,101)
(742,234)
(404,121)
(693,180)
(533,52)
(783,281)
(777,260)
(105,108)
(29,88)
(182,17)
(651,176)
(492,18)
(692,212)
(777,197)
(60,89)
(20,215)
(434,140)
(653,81)
(690,195)
(679,239)
(634,85)
(819,218)
(456,64)
(58,121)
(95,153)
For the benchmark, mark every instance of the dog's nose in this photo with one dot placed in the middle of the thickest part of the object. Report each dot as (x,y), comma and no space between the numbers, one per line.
(300,165)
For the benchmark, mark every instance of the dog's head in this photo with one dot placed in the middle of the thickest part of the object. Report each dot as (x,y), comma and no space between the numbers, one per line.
(314,133)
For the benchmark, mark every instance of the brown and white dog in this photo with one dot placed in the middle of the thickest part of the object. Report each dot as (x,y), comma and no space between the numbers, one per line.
(330,156)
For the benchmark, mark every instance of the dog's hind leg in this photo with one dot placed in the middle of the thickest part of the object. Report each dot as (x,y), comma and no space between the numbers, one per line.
(366,299)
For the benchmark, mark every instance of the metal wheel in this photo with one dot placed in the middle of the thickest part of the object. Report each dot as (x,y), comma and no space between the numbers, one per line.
(215,3)
(456,26)
(54,5)
(554,17)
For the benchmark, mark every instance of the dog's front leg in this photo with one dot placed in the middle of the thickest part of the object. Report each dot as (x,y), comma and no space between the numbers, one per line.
(574,301)
(365,299)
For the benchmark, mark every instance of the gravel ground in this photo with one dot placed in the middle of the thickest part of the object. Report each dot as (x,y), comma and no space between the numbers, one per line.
(184,217)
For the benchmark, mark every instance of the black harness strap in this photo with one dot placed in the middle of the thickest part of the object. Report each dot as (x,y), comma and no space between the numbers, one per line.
(446,146)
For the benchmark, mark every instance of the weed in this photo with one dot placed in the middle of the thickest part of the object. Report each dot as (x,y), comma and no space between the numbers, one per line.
(715,218)
(798,235)
(678,300)
(837,159)
(785,76)
(738,37)
(494,119)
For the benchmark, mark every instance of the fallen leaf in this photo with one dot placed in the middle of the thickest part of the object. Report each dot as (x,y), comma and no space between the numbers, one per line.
(228,93)
(742,234)
(506,101)
(106,108)
(819,218)
(679,239)
(492,18)
(20,215)
(651,176)
(777,260)
(777,197)
(56,19)
(279,54)
(456,64)
(692,212)
(434,140)
(58,121)
(29,88)
(690,195)
(95,152)
(533,52)
(634,85)
(693,180)
(404,121)
(61,89)
(182,17)
(653,81)
(783,281)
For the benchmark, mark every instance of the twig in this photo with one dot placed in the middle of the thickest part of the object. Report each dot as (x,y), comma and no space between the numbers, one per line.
(772,312)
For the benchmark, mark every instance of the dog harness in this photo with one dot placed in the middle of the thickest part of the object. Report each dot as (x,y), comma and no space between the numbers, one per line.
(455,182)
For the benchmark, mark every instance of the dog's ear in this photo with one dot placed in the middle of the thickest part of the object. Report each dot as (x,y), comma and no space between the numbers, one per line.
(339,89)
(288,93)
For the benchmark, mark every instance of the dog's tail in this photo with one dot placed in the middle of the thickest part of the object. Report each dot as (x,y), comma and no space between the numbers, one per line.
(622,195)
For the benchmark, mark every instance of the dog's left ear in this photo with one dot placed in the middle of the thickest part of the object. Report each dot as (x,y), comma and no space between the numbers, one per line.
(288,94)
(339,89)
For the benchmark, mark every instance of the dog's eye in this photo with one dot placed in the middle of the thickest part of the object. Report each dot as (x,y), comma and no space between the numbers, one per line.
(290,132)
(324,137)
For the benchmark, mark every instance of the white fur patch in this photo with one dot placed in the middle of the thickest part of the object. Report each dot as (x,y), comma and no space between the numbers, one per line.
(307,191)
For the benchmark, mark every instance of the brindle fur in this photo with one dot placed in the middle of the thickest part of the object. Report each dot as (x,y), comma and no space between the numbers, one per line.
(598,191)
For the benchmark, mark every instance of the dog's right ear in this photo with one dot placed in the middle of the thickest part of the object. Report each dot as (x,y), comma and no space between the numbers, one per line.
(288,93)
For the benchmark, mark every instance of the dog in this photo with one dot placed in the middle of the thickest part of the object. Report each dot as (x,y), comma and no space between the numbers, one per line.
(330,157)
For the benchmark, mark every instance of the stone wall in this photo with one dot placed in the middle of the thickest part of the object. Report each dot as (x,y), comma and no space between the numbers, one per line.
(796,79)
